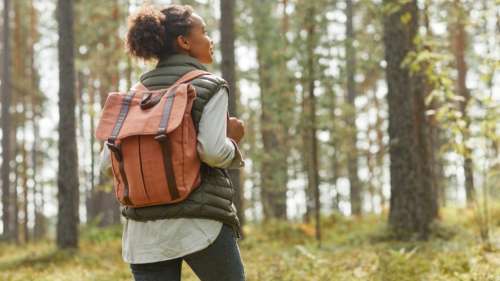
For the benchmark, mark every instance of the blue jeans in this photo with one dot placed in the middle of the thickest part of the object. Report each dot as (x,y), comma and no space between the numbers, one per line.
(220,261)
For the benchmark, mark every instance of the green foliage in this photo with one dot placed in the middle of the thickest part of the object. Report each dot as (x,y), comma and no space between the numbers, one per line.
(394,6)
(95,234)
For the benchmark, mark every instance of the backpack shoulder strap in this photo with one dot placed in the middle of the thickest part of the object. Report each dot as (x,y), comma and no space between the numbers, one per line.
(139,87)
(190,76)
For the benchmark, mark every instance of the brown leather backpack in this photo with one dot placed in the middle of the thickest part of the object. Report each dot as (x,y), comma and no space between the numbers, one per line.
(152,139)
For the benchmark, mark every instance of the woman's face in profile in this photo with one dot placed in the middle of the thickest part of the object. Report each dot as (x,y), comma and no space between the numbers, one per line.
(200,44)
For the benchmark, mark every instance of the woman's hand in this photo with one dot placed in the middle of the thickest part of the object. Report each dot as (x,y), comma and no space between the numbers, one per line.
(235,129)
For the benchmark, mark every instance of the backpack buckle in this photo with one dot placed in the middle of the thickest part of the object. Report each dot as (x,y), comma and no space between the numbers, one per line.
(161,137)
(149,101)
(116,149)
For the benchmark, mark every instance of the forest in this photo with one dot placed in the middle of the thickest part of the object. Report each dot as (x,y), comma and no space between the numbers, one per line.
(371,147)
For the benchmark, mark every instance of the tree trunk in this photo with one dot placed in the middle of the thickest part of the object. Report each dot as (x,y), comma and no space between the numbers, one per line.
(18,76)
(286,93)
(102,204)
(35,102)
(14,211)
(412,201)
(352,155)
(251,133)
(334,143)
(228,69)
(459,49)
(92,186)
(370,165)
(274,158)
(433,128)
(305,132)
(313,167)
(40,228)
(24,175)
(37,190)
(6,122)
(67,176)
(379,158)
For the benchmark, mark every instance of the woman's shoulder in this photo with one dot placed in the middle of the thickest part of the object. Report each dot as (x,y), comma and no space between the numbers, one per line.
(210,82)
(210,78)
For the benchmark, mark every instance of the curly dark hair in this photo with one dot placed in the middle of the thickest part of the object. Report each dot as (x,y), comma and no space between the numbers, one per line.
(152,32)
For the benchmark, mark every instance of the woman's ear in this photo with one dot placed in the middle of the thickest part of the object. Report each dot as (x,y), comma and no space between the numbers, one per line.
(183,43)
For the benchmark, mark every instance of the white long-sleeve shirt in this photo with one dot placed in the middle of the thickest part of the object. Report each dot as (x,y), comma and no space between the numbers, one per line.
(165,239)
(214,147)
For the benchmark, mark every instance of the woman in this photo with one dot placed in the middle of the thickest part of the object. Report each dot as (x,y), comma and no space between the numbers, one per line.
(202,230)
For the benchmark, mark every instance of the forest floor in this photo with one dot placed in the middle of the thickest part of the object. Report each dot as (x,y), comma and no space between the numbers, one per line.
(352,249)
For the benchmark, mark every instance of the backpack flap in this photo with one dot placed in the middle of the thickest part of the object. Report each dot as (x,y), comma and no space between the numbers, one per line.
(139,121)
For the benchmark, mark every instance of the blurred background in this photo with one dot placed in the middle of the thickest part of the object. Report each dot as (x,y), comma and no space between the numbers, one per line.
(368,123)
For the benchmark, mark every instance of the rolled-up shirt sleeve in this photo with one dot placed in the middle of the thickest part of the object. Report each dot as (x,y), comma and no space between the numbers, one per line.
(214,147)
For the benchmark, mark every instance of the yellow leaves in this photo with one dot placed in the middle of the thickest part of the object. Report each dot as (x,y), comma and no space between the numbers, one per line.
(406,18)
(307,229)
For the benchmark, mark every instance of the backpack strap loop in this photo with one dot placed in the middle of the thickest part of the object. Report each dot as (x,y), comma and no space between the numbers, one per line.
(117,152)
(164,141)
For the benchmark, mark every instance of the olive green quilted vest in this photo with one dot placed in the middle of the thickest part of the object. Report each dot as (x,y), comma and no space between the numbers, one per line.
(214,198)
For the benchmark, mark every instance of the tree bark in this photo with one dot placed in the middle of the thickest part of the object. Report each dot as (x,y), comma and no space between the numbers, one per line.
(274,158)
(6,122)
(67,176)
(412,201)
(313,167)
(381,153)
(35,102)
(459,49)
(14,201)
(92,150)
(334,143)
(18,74)
(24,175)
(102,203)
(37,190)
(228,68)
(352,155)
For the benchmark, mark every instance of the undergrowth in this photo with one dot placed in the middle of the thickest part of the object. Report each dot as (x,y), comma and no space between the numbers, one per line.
(353,248)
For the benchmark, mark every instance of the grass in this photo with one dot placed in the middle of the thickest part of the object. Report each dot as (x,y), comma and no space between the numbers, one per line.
(353,249)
